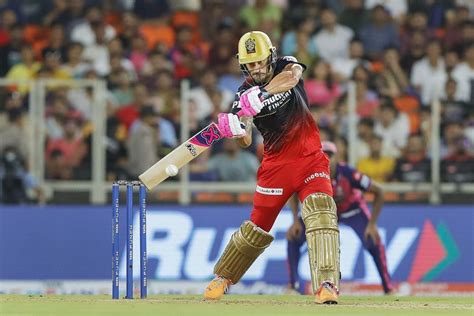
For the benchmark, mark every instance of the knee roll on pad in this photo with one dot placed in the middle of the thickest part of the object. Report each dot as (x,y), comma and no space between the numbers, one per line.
(322,234)
(244,247)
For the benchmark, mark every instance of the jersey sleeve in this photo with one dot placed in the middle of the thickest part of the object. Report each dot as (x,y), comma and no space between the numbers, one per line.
(236,104)
(282,62)
(358,180)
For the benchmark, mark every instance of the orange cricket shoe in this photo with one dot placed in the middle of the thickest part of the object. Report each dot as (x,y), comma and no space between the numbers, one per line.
(327,293)
(216,288)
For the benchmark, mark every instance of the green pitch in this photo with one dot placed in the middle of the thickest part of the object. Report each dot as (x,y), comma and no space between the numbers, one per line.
(258,305)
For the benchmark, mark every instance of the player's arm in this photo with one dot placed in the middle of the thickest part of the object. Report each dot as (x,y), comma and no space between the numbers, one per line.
(246,140)
(377,190)
(285,80)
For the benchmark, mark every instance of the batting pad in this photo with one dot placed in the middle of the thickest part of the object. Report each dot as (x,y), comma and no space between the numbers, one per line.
(244,247)
(322,234)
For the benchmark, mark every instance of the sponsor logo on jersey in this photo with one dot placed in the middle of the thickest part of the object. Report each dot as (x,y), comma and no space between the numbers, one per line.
(269,191)
(317,175)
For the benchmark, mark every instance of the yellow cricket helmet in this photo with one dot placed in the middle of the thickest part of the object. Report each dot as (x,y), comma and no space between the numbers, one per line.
(255,46)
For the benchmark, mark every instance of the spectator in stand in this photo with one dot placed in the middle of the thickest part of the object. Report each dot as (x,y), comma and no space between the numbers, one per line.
(417,23)
(143,142)
(354,15)
(377,166)
(458,166)
(57,14)
(467,35)
(129,113)
(413,165)
(451,133)
(74,65)
(289,43)
(123,93)
(429,74)
(157,61)
(367,100)
(365,132)
(392,80)
(332,41)
(344,67)
(166,97)
(263,15)
(452,108)
(138,54)
(14,133)
(232,77)
(221,50)
(201,94)
(118,58)
(84,32)
(25,70)
(451,60)
(10,52)
(393,127)
(463,73)
(97,53)
(130,30)
(234,163)
(57,41)
(186,56)
(320,87)
(454,19)
(72,148)
(380,33)
(53,62)
(8,19)
(397,8)
(415,52)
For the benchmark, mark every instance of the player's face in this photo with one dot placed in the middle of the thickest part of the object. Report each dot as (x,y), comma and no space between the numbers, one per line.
(259,70)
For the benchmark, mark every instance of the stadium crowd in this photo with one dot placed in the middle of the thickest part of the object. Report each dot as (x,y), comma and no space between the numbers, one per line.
(401,55)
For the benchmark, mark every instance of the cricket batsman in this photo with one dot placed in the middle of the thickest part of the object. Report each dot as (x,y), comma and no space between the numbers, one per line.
(348,185)
(273,98)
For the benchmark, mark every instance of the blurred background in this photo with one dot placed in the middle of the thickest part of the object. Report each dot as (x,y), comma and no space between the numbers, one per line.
(95,91)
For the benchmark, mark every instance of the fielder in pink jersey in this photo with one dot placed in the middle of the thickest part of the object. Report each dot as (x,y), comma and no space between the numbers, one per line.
(274,99)
(348,185)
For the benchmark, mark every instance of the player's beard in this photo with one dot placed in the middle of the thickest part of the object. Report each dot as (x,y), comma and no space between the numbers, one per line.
(261,76)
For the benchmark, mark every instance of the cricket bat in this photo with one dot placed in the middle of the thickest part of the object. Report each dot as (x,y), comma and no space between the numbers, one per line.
(181,155)
(200,142)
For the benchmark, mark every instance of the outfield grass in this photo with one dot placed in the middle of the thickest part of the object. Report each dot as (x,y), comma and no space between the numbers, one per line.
(258,305)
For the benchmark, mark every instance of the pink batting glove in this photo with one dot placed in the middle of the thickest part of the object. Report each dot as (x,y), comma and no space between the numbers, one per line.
(251,101)
(229,125)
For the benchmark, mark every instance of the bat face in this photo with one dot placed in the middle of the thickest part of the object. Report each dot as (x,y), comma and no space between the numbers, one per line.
(181,155)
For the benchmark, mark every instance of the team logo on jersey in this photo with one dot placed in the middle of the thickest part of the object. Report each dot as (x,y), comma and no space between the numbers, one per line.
(250,46)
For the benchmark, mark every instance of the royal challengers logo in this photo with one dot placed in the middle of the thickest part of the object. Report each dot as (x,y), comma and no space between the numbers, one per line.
(250,46)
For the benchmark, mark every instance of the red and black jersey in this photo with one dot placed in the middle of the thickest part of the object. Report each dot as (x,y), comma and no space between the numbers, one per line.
(285,122)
